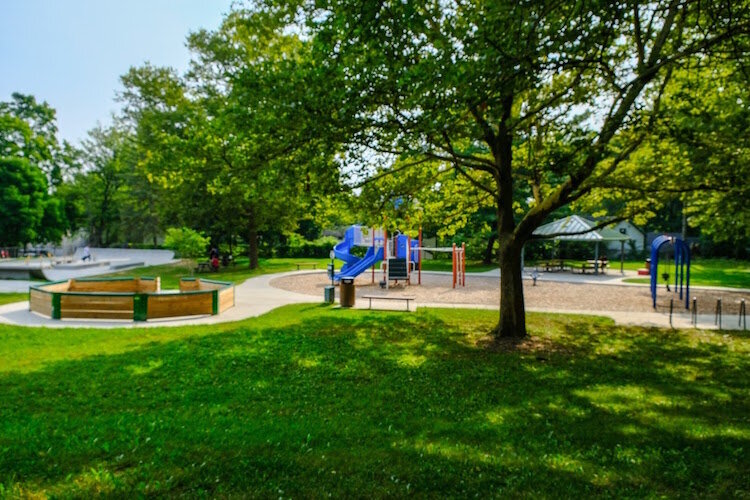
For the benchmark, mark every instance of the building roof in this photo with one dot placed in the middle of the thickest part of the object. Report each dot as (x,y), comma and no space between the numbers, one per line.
(577,228)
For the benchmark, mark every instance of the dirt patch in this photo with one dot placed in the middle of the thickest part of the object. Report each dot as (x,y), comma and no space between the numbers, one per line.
(549,295)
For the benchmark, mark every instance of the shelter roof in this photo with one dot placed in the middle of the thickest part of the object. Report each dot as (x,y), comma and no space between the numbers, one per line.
(577,228)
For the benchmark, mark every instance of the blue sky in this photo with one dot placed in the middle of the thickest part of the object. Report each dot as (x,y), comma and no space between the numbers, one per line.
(71,53)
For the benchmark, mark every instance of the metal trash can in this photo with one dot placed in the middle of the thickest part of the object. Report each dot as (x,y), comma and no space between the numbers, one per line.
(329,295)
(347,292)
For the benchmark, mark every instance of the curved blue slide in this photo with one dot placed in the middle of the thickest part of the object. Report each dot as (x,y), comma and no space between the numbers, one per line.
(354,265)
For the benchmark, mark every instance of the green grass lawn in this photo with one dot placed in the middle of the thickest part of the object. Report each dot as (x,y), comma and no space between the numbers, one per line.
(710,272)
(472,266)
(312,401)
(707,272)
(171,273)
(8,298)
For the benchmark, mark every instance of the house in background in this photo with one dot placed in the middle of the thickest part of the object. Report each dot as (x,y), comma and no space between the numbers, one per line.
(637,239)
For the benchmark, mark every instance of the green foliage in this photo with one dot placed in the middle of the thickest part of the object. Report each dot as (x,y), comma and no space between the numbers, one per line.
(233,140)
(23,201)
(296,246)
(534,105)
(28,130)
(170,274)
(309,401)
(33,165)
(696,162)
(186,242)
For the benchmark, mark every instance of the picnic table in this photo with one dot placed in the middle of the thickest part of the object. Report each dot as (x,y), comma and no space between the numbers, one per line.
(552,265)
(203,267)
(592,265)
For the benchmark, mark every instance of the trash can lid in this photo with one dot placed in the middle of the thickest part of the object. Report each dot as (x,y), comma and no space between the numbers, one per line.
(347,279)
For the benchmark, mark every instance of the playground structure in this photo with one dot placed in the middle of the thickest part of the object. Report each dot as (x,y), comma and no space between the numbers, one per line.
(681,266)
(137,299)
(400,256)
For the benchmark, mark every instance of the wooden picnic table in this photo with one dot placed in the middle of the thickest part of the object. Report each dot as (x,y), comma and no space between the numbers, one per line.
(592,265)
(552,265)
(203,267)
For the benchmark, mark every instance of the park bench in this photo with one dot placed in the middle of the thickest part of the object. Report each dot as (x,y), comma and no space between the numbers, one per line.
(383,297)
(313,264)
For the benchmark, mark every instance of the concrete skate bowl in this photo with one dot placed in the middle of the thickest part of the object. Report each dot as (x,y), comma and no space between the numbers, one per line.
(135,299)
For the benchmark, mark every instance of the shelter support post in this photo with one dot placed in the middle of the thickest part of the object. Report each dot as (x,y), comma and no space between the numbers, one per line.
(596,258)
(622,256)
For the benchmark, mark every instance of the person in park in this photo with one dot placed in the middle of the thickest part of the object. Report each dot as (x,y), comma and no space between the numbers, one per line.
(86,254)
(215,262)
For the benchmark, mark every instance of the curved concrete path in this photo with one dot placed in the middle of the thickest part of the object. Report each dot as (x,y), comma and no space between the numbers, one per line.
(256,296)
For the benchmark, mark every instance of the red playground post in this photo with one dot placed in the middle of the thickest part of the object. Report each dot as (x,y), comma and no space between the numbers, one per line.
(454,265)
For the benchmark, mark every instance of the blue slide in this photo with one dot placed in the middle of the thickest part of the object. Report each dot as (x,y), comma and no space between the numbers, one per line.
(354,266)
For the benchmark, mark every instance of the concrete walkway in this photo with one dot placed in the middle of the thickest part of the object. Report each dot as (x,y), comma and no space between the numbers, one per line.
(256,296)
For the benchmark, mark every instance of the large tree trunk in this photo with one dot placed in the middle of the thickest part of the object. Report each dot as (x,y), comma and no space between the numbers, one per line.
(252,243)
(488,252)
(512,322)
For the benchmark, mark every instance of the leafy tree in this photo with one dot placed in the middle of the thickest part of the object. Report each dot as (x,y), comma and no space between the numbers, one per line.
(28,130)
(469,83)
(187,243)
(698,159)
(24,202)
(229,151)
(97,188)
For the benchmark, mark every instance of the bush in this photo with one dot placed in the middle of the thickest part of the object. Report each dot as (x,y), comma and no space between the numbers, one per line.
(297,246)
(188,244)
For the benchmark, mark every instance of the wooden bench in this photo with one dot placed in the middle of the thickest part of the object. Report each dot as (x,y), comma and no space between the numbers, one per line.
(313,264)
(383,297)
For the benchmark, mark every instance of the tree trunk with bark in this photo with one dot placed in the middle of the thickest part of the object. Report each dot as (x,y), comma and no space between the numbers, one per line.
(252,243)
(512,323)
(489,254)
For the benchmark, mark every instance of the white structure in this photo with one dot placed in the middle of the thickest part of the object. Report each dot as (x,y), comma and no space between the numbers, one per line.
(636,236)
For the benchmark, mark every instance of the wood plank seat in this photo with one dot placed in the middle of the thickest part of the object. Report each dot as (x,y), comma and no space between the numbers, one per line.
(384,297)
(96,314)
(96,306)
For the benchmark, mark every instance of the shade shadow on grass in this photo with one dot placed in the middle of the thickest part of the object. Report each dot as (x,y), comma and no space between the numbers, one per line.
(310,401)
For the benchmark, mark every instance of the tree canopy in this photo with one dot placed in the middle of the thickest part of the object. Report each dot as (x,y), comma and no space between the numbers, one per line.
(539,101)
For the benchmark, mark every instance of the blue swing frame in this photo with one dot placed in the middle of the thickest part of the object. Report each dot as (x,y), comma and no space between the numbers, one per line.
(681,266)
